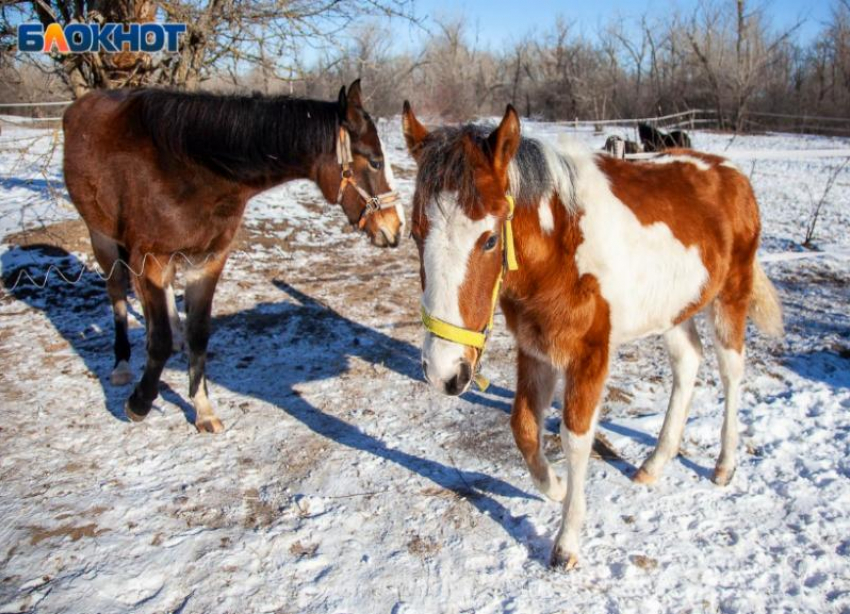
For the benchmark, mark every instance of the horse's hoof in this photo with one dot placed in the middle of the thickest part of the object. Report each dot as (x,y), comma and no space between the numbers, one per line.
(137,409)
(563,560)
(722,477)
(121,375)
(642,476)
(209,425)
(135,414)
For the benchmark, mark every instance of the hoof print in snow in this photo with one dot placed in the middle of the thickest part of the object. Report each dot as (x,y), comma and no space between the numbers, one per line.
(644,562)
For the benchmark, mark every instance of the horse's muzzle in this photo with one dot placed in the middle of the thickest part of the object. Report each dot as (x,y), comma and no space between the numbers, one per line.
(386,238)
(454,384)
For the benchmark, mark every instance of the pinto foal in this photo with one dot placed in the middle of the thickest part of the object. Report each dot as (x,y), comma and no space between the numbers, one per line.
(162,179)
(606,251)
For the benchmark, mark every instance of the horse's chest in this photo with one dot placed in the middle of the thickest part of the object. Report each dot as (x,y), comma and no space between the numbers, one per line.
(548,335)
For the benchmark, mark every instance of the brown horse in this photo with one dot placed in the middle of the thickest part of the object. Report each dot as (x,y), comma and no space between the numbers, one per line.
(162,178)
(594,253)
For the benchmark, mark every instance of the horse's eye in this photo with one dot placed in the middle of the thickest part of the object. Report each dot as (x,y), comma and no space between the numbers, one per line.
(376,164)
(491,243)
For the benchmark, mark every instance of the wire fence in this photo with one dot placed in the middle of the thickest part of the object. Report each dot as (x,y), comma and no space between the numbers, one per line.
(753,122)
(43,113)
(33,114)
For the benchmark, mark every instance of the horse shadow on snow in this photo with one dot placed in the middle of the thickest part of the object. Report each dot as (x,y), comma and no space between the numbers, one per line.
(304,341)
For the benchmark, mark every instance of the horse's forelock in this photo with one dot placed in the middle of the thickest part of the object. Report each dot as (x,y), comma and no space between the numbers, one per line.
(445,165)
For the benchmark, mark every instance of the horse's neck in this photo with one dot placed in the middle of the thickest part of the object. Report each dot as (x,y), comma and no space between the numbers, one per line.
(310,166)
(546,237)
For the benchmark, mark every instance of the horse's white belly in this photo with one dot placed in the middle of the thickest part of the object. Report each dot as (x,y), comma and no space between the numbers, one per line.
(646,275)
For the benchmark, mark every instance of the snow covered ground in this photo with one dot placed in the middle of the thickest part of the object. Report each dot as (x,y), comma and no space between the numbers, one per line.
(344,484)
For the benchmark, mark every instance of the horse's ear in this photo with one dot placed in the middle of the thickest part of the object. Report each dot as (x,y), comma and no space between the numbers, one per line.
(342,104)
(504,141)
(354,117)
(414,132)
(354,94)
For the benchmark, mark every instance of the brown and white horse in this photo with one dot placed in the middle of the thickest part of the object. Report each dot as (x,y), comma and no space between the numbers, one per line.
(606,252)
(162,179)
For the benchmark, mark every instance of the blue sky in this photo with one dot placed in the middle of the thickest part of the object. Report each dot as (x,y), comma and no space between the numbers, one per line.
(503,21)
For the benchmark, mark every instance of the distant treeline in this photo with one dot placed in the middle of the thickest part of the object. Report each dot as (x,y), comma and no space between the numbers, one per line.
(725,57)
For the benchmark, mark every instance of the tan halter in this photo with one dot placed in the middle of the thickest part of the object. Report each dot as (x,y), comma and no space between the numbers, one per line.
(372,204)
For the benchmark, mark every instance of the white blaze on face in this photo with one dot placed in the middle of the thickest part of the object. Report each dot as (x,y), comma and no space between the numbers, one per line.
(451,238)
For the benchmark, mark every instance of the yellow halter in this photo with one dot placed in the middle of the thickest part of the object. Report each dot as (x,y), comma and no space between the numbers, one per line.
(472,338)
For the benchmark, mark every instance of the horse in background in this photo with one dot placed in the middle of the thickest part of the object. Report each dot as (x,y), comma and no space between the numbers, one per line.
(618,147)
(162,178)
(654,140)
(583,252)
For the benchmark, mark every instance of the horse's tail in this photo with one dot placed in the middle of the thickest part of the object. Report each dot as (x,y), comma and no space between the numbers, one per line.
(765,308)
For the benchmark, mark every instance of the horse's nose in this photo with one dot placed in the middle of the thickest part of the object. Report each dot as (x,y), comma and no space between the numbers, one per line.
(379,239)
(459,382)
(391,238)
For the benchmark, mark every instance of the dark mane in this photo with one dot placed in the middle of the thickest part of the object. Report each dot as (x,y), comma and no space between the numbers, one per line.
(443,167)
(538,172)
(244,138)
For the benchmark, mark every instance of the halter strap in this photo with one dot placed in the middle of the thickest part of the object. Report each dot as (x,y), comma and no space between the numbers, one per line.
(472,338)
(372,204)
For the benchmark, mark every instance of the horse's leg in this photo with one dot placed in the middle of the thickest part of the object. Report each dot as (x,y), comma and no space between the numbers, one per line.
(685,351)
(729,324)
(173,313)
(200,288)
(585,378)
(109,257)
(150,287)
(535,388)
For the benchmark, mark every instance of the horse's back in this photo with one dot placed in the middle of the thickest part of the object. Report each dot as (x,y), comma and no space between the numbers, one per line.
(697,225)
(703,198)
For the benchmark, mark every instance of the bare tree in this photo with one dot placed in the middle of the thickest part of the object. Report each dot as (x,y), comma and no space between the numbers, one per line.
(734,55)
(221,35)
(723,56)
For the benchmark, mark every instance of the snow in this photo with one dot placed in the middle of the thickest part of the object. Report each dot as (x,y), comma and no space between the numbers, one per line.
(344,484)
